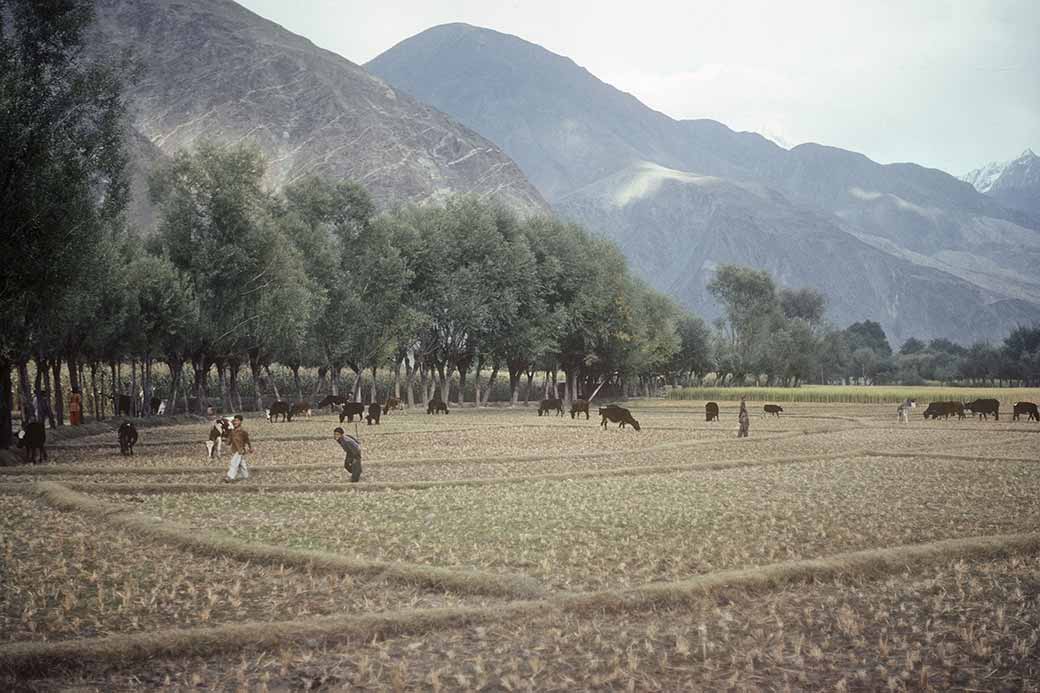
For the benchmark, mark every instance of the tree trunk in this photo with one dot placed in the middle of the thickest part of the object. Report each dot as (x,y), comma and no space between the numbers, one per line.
(135,400)
(146,378)
(6,404)
(200,369)
(254,370)
(25,392)
(409,381)
(295,368)
(175,384)
(234,366)
(491,382)
(59,394)
(274,384)
(334,377)
(397,379)
(114,373)
(476,382)
(75,382)
(374,392)
(530,385)
(445,385)
(95,402)
(222,383)
(463,368)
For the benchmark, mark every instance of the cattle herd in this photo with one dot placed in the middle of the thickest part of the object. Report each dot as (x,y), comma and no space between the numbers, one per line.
(33,436)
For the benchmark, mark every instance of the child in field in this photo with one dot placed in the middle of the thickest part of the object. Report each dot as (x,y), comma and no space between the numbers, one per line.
(743,419)
(352,447)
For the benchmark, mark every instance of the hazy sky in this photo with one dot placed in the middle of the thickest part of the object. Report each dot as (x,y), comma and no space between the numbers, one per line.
(951,84)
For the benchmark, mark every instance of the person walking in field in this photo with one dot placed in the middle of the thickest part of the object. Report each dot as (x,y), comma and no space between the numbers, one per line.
(352,447)
(75,407)
(743,419)
(240,445)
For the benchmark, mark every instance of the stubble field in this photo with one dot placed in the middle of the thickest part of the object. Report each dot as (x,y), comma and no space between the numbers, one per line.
(498,550)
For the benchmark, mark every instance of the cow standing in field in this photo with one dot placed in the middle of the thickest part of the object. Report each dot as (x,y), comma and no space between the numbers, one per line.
(1028,408)
(903,410)
(300,407)
(374,411)
(984,407)
(333,400)
(391,404)
(127,438)
(33,438)
(436,406)
(350,410)
(945,410)
(578,406)
(618,415)
(773,409)
(548,405)
(711,411)
(218,435)
(277,409)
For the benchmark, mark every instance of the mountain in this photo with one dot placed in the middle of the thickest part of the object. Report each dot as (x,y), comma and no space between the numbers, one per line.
(1014,183)
(210,69)
(914,248)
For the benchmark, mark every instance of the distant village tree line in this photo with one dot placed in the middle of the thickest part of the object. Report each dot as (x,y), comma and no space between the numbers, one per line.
(238,278)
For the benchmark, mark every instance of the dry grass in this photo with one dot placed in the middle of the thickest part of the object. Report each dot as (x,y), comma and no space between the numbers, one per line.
(67,576)
(590,534)
(670,522)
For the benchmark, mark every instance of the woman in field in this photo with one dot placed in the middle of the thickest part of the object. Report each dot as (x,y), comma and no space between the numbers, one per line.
(743,419)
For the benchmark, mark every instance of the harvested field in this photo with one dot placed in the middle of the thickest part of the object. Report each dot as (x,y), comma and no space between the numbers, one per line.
(579,557)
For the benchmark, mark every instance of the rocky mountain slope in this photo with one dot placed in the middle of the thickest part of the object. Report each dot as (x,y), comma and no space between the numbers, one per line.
(1015,183)
(914,248)
(210,69)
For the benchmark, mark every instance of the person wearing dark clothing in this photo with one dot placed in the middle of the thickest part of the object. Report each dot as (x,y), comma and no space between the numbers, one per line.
(352,447)
(743,419)
(42,404)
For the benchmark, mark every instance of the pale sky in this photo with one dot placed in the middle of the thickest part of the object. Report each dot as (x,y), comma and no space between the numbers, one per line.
(953,84)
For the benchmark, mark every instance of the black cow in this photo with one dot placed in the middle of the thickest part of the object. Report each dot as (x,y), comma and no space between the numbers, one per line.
(127,438)
(301,407)
(773,409)
(711,411)
(391,404)
(436,406)
(374,411)
(281,409)
(618,415)
(332,400)
(33,437)
(945,410)
(547,405)
(1025,408)
(350,410)
(985,407)
(578,406)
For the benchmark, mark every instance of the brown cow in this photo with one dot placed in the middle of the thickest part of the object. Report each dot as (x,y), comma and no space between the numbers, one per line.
(773,409)
(618,415)
(391,404)
(350,410)
(711,411)
(374,410)
(578,406)
(547,405)
(1025,408)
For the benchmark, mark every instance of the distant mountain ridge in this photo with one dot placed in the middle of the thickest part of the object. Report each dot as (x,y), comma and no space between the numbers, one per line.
(210,69)
(932,256)
(1015,183)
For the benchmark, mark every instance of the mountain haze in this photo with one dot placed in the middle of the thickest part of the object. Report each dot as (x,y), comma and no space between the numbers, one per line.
(914,248)
(212,70)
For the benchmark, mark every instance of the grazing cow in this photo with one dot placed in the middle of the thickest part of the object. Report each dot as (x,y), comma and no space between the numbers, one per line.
(436,406)
(903,410)
(985,407)
(374,411)
(773,409)
(547,405)
(33,437)
(333,400)
(1025,408)
(578,406)
(300,407)
(618,415)
(127,438)
(281,409)
(391,404)
(711,411)
(219,434)
(350,410)
(945,410)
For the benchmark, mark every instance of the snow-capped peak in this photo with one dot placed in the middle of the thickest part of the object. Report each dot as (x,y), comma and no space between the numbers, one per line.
(1024,170)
